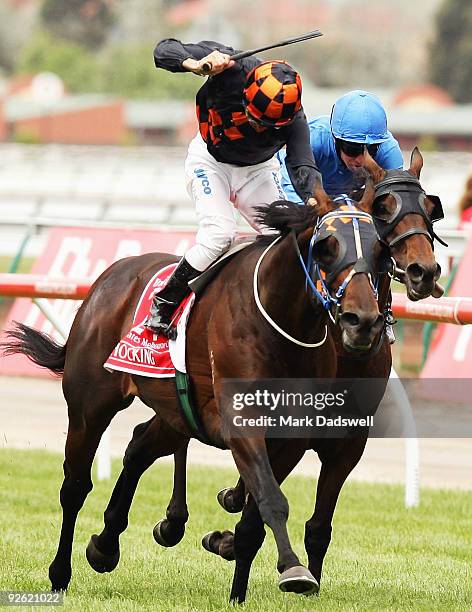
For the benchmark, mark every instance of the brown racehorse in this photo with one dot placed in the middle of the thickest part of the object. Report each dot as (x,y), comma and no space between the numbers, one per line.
(410,240)
(249,348)
(409,235)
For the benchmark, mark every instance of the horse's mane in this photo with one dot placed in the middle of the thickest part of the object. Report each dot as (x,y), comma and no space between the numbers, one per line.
(283,215)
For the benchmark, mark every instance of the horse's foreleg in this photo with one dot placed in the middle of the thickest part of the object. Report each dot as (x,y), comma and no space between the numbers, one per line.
(83,437)
(334,471)
(253,464)
(169,531)
(150,441)
(282,461)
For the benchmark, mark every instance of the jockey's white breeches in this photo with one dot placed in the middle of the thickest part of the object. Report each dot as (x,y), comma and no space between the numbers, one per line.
(216,190)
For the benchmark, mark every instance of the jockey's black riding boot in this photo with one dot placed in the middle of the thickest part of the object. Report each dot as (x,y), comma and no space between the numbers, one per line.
(166,301)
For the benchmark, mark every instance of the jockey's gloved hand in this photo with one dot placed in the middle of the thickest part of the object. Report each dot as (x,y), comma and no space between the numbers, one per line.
(216,61)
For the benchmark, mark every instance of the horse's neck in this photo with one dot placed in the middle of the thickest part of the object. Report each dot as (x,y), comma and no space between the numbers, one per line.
(282,287)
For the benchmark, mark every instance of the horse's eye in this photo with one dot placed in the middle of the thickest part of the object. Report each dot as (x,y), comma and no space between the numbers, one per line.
(384,209)
(326,251)
(429,206)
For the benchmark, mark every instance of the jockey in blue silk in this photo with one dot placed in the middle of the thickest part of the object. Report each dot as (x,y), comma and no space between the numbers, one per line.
(358,119)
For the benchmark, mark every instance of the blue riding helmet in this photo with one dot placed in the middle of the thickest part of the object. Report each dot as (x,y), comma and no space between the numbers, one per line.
(359,116)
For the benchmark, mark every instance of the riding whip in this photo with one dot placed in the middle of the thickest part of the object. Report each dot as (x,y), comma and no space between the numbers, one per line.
(206,68)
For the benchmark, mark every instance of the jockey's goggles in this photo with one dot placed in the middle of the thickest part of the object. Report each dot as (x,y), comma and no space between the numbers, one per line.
(354,149)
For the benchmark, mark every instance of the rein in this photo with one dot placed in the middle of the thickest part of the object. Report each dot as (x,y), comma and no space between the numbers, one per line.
(265,314)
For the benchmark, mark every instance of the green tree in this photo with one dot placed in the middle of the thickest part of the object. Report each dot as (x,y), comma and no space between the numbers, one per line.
(129,71)
(451,49)
(85,22)
(75,65)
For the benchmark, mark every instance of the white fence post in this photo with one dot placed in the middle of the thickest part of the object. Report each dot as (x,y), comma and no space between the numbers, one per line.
(412,451)
(47,310)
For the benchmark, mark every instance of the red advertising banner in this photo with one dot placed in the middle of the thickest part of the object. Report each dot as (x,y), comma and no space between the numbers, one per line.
(72,253)
(451,353)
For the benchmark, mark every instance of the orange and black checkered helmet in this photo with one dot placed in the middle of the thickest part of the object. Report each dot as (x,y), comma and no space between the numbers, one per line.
(273,92)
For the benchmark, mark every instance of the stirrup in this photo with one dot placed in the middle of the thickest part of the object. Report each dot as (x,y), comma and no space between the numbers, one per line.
(390,321)
(389,318)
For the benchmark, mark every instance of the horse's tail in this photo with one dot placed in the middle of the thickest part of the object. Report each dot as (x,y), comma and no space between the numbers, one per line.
(37,346)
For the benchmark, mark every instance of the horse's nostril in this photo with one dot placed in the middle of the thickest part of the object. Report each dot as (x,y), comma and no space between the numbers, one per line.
(362,322)
(349,319)
(415,272)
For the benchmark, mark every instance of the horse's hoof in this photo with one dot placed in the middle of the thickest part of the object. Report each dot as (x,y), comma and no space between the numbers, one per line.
(59,587)
(220,543)
(60,576)
(158,533)
(299,580)
(100,562)
(226,501)
(210,541)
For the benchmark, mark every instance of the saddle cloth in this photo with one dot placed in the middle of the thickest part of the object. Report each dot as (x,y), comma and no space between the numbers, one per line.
(145,353)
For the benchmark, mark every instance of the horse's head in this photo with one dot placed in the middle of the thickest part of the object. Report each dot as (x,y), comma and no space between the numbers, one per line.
(348,258)
(403,216)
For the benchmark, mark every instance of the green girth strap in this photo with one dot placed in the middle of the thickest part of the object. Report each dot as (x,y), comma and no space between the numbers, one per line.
(189,412)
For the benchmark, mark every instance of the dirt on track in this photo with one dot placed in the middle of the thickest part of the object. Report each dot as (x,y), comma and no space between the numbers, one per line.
(33,414)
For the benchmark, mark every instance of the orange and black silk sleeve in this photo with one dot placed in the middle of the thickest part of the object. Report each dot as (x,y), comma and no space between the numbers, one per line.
(170,53)
(300,163)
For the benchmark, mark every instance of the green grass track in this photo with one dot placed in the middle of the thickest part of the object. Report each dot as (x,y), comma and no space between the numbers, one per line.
(382,556)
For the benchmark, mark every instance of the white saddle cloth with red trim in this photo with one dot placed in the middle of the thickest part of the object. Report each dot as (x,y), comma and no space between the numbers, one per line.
(148,354)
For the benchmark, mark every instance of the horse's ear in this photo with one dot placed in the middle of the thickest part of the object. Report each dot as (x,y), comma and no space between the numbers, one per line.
(323,204)
(416,163)
(377,173)
(368,198)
